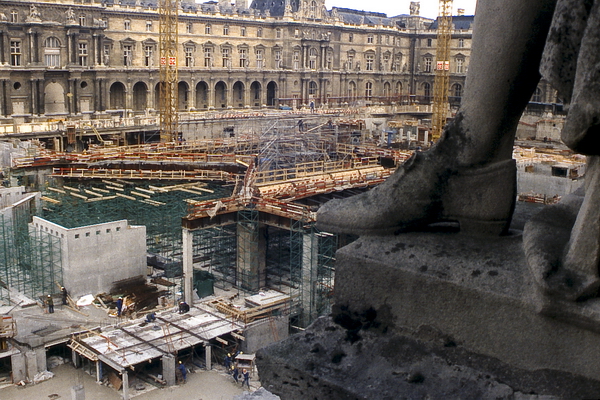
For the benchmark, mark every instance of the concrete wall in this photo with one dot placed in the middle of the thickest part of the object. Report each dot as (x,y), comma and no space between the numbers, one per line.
(95,256)
(546,184)
(262,333)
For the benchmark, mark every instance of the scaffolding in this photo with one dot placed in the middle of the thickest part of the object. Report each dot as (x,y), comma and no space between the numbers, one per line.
(30,260)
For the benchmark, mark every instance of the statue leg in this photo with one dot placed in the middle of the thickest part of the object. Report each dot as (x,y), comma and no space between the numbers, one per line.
(468,175)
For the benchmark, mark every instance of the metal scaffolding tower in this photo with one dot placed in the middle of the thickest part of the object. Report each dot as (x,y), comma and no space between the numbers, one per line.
(442,71)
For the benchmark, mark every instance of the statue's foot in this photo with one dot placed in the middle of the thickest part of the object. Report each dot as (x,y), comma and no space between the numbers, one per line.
(562,242)
(425,190)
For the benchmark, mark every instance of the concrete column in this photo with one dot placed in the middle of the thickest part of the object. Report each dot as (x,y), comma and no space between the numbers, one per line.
(19,368)
(40,355)
(75,358)
(208,356)
(125,378)
(247,98)
(310,258)
(32,367)
(188,266)
(77,392)
(251,256)
(168,369)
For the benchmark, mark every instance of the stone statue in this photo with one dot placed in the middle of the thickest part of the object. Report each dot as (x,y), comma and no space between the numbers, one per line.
(34,14)
(70,14)
(415,8)
(469,175)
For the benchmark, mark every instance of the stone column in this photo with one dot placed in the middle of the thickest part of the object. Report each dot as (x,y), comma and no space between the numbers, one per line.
(168,369)
(3,45)
(188,266)
(210,90)
(247,98)
(40,355)
(3,101)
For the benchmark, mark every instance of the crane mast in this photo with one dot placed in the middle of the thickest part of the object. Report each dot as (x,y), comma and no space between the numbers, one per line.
(442,69)
(168,39)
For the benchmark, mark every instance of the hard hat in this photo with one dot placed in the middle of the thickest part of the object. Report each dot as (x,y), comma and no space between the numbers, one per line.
(62,288)
(179,362)
(49,296)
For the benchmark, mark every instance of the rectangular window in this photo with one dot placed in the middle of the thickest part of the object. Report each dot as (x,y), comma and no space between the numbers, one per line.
(259,59)
(14,17)
(208,57)
(297,33)
(127,55)
(82,55)
(351,37)
(148,50)
(208,29)
(370,39)
(226,58)
(461,42)
(189,28)
(243,58)
(226,30)
(148,26)
(350,62)
(370,59)
(15,53)
(296,59)
(278,33)
(259,32)
(459,65)
(277,58)
(82,20)
(106,54)
(428,62)
(243,31)
(189,56)
(127,25)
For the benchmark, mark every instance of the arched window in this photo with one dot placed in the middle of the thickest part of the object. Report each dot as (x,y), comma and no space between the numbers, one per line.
(313,9)
(427,90)
(457,90)
(312,88)
(387,90)
(52,52)
(312,58)
(369,90)
(352,91)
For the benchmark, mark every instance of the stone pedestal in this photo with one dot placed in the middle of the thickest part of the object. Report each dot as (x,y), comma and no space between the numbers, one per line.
(441,315)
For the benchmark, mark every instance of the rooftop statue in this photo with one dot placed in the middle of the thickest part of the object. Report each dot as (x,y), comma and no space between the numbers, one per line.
(469,175)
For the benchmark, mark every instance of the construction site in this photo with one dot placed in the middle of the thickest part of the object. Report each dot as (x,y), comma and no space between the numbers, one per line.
(186,239)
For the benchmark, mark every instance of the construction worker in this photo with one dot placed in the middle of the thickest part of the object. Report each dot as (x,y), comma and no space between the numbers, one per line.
(183,307)
(50,304)
(183,371)
(228,362)
(119,306)
(246,376)
(235,374)
(65,295)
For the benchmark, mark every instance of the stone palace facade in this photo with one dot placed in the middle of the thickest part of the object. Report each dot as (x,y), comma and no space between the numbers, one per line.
(65,58)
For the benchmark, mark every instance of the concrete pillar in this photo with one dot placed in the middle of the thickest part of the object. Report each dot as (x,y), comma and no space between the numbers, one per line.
(251,256)
(32,367)
(188,266)
(310,258)
(125,378)
(19,368)
(208,356)
(40,355)
(75,358)
(168,369)
(77,392)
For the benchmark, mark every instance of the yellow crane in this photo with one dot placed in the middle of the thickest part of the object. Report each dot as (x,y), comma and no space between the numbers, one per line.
(442,69)
(168,40)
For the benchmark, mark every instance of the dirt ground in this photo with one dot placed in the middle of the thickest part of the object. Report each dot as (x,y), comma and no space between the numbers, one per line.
(201,385)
